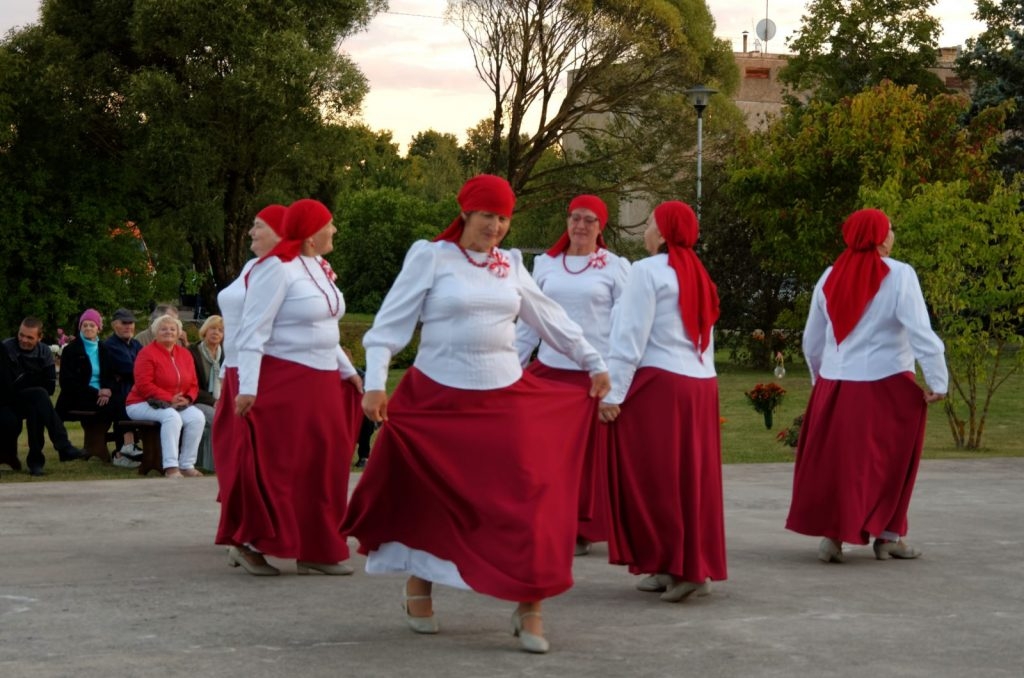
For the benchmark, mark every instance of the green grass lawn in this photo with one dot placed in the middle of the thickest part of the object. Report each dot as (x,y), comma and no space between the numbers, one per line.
(744,437)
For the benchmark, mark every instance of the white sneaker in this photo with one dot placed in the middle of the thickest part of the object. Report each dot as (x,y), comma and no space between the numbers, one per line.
(124,462)
(129,450)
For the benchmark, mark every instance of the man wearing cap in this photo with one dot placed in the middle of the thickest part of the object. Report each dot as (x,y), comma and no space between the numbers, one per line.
(122,349)
(34,380)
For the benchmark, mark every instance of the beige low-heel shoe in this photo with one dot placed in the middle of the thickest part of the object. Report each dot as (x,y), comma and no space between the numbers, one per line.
(426,625)
(528,641)
(682,590)
(336,569)
(252,562)
(884,550)
(828,552)
(655,583)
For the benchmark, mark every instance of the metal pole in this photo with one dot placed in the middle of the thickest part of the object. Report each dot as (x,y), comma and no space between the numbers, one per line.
(700,150)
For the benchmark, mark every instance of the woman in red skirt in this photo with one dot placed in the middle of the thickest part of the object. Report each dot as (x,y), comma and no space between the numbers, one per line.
(474,476)
(586,280)
(237,478)
(862,434)
(666,462)
(298,396)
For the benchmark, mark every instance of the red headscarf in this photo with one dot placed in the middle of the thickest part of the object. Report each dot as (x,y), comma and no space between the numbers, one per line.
(858,272)
(482,193)
(698,296)
(302,219)
(273,216)
(587,202)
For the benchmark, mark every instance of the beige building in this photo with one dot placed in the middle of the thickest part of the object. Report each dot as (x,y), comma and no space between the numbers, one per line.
(760,93)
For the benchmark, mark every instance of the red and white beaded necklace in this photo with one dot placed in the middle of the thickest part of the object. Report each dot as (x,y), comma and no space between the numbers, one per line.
(597,259)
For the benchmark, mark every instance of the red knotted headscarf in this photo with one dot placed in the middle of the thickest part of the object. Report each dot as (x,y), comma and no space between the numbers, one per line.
(858,272)
(273,216)
(698,295)
(482,193)
(302,219)
(587,202)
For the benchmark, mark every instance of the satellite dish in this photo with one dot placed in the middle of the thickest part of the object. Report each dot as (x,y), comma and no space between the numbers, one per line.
(765,29)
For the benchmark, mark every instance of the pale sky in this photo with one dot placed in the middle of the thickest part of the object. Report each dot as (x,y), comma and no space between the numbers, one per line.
(421,70)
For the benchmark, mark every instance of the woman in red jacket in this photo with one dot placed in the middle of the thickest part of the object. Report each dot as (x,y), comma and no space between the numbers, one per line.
(165,388)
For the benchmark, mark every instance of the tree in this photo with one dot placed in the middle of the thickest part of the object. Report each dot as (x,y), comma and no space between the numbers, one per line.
(994,61)
(623,66)
(969,254)
(792,185)
(65,240)
(232,92)
(846,46)
(436,171)
(375,229)
(183,118)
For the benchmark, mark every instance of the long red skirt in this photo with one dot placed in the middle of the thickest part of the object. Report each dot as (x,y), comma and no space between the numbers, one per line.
(860,446)
(665,477)
(488,480)
(593,505)
(284,476)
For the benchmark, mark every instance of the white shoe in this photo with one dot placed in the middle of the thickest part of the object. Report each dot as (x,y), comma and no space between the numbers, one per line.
(129,450)
(124,462)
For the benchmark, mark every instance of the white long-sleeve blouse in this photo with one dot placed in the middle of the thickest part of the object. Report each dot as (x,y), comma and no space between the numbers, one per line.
(588,297)
(468,315)
(893,331)
(291,311)
(647,330)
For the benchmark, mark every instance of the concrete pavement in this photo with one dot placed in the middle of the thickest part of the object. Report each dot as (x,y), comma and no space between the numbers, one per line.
(121,578)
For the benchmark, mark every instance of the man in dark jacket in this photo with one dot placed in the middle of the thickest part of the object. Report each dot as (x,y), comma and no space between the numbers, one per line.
(34,378)
(122,350)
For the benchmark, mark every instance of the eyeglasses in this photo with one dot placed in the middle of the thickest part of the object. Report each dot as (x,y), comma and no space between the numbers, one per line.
(577,218)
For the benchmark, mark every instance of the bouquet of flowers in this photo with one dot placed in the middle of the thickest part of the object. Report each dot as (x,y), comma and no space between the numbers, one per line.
(766,398)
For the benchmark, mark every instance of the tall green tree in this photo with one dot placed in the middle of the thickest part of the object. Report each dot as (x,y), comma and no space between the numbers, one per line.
(65,241)
(183,117)
(994,62)
(230,93)
(845,46)
(622,66)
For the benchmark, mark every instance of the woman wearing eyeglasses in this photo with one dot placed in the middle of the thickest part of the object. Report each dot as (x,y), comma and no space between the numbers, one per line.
(586,280)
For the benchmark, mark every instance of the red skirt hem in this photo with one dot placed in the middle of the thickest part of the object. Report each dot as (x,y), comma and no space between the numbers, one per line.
(857,460)
(286,464)
(665,478)
(485,479)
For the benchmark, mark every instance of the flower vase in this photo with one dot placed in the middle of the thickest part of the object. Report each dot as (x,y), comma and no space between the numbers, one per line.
(768,420)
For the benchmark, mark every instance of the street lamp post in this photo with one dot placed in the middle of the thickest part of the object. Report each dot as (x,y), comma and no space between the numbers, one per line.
(699,97)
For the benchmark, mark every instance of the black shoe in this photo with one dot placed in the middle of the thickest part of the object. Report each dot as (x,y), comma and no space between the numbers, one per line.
(35,470)
(71,453)
(360,463)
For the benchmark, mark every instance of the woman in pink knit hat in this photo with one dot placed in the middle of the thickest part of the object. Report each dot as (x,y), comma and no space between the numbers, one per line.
(87,383)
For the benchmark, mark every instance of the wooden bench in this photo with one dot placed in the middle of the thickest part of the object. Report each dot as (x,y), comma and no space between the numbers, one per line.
(97,433)
(147,433)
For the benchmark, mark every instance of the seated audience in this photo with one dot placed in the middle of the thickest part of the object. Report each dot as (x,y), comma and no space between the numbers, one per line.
(165,388)
(33,375)
(121,350)
(87,383)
